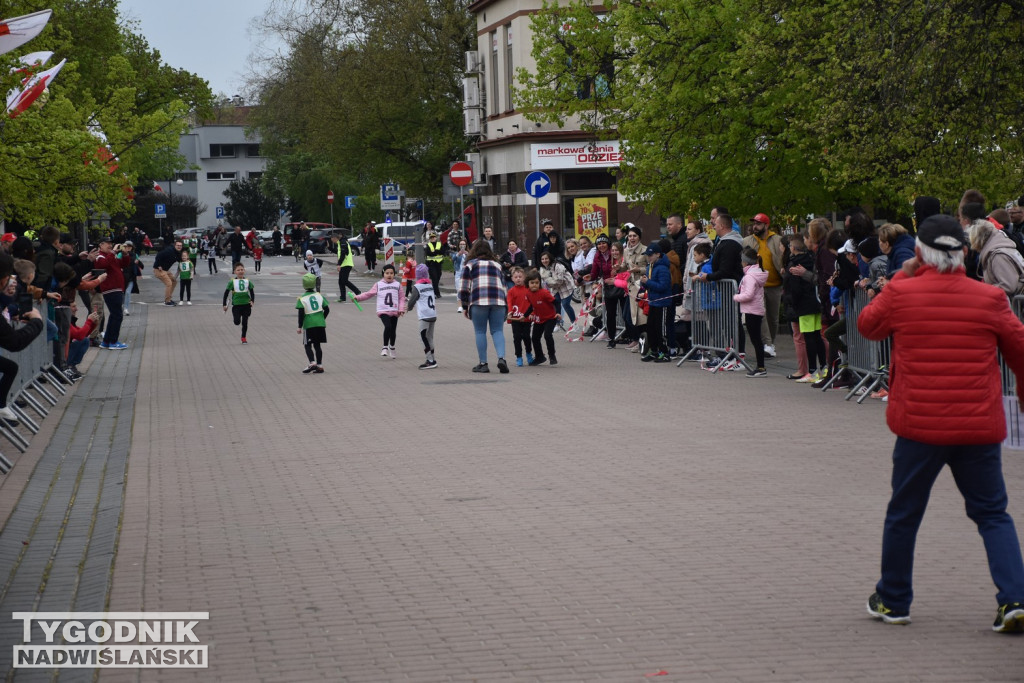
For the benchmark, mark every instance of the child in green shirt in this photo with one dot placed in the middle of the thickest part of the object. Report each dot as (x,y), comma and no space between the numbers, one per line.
(242,299)
(185,270)
(313,312)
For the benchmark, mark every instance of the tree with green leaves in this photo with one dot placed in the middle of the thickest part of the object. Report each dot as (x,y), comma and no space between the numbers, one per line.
(373,93)
(111,117)
(788,106)
(249,206)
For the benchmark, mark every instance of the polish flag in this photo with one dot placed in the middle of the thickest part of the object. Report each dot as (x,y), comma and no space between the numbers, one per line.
(156,186)
(20,100)
(19,30)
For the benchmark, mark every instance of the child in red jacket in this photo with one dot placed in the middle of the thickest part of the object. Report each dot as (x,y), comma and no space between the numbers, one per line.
(518,303)
(542,302)
(79,340)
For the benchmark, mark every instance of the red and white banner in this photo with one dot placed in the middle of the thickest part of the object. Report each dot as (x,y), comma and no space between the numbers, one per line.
(19,30)
(20,100)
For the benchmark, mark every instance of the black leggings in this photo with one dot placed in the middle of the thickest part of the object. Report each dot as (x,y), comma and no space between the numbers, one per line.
(390,329)
(310,348)
(185,290)
(8,371)
(546,330)
(815,350)
(212,265)
(753,323)
(241,315)
(521,338)
(256,264)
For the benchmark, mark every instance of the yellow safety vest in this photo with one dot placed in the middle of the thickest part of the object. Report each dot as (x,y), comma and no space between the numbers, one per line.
(348,256)
(434,249)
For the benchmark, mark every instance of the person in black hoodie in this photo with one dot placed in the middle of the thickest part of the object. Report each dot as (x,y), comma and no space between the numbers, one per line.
(727,264)
(12,339)
(800,296)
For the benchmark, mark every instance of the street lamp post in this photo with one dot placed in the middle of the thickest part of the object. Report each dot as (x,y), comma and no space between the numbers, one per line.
(170,200)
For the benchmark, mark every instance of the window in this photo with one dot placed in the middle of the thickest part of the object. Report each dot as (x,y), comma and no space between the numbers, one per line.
(222,151)
(254,175)
(509,73)
(188,177)
(252,150)
(221,175)
(496,109)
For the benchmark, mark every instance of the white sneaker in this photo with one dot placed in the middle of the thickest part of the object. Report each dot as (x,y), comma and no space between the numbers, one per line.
(769,350)
(391,351)
(188,303)
(181,303)
(384,352)
(8,414)
(601,336)
(126,312)
(460,309)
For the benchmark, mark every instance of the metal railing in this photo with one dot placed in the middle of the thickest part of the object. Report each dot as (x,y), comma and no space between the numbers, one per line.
(1014,432)
(866,359)
(715,322)
(34,388)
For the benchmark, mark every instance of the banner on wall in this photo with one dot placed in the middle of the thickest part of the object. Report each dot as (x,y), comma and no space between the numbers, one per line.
(591,216)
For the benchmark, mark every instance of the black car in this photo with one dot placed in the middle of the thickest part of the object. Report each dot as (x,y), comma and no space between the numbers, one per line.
(320,240)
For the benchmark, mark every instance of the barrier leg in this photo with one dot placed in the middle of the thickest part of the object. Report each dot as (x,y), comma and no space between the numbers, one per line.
(49,378)
(23,417)
(47,396)
(32,402)
(8,431)
(5,464)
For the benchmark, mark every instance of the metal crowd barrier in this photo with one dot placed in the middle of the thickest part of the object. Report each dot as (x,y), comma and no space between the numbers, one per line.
(1014,433)
(35,386)
(715,322)
(868,360)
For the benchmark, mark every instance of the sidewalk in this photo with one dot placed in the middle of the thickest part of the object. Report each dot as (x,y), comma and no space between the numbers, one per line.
(605,519)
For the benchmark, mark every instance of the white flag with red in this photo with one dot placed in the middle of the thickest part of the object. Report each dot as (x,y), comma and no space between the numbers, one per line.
(19,30)
(18,100)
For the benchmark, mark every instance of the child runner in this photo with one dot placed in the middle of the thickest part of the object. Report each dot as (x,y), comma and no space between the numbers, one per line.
(458,261)
(409,274)
(518,303)
(185,270)
(313,312)
(423,298)
(544,318)
(390,306)
(751,300)
(313,265)
(257,256)
(242,299)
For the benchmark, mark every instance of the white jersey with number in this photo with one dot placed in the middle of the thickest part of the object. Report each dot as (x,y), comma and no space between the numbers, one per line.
(388,296)
(425,308)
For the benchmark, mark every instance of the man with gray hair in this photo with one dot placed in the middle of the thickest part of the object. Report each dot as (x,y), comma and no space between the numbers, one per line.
(946,327)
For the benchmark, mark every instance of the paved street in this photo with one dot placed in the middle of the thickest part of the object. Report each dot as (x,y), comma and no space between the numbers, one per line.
(605,519)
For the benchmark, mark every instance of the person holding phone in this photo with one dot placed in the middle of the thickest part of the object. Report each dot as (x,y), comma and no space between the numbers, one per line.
(14,339)
(112,290)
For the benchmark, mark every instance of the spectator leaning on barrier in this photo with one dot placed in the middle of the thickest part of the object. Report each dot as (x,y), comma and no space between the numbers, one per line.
(694,235)
(768,246)
(999,262)
(13,339)
(945,327)
(726,263)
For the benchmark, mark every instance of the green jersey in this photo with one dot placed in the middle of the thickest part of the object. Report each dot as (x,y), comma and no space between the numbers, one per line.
(185,270)
(241,291)
(313,305)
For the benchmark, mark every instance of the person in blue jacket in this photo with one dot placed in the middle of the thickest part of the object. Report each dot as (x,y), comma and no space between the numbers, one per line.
(658,285)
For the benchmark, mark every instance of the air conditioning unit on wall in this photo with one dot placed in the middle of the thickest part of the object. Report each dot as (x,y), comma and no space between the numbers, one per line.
(472,120)
(470,92)
(472,62)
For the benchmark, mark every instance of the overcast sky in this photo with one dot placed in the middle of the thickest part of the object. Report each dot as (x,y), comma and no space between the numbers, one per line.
(211,38)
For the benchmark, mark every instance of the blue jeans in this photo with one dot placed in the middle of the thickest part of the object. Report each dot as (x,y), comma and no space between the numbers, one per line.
(482,316)
(76,351)
(566,305)
(977,471)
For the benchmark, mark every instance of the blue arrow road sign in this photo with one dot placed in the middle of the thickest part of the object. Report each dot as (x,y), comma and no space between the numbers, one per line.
(350,201)
(159,211)
(537,184)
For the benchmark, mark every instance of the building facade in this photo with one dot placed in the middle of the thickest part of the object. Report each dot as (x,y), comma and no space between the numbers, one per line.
(581,167)
(216,152)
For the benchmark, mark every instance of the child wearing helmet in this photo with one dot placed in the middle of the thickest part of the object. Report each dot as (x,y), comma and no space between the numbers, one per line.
(313,311)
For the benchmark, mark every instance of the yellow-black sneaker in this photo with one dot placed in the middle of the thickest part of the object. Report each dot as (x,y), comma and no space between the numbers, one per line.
(877,608)
(1009,618)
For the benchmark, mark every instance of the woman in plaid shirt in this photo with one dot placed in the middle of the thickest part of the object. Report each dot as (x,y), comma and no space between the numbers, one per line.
(482,296)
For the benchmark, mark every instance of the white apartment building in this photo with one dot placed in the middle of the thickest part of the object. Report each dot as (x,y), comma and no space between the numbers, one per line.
(222,151)
(510,146)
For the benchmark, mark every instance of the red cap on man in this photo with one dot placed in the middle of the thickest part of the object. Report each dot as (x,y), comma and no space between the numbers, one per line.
(762,218)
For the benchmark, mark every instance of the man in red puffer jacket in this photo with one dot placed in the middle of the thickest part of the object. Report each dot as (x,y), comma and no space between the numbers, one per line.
(946,408)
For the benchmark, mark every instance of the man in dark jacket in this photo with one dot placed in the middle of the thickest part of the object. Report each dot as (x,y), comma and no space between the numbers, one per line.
(727,264)
(556,249)
(658,284)
(236,242)
(162,265)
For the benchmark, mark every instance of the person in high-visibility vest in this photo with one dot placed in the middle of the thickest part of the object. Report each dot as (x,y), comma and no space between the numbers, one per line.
(434,256)
(344,266)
